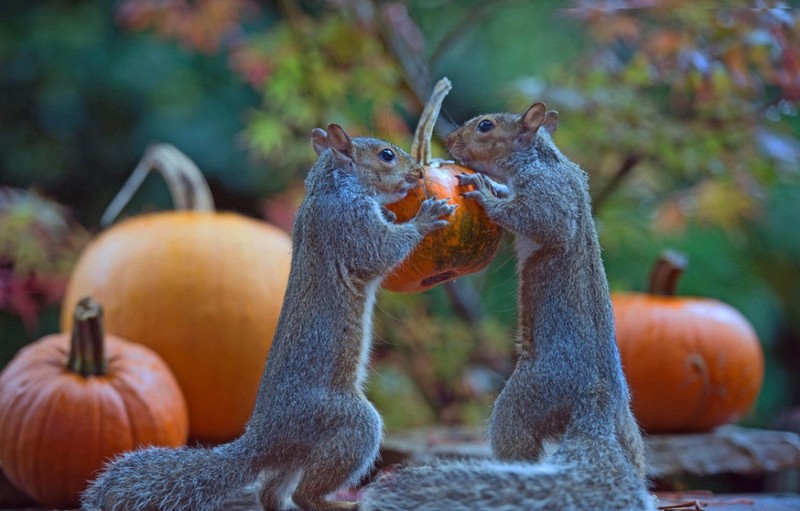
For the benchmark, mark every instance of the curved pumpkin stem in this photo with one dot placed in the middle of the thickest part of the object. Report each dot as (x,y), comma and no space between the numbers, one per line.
(666,273)
(187,186)
(421,147)
(86,353)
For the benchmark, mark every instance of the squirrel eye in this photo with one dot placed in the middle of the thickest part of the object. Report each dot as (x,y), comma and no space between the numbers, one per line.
(386,155)
(485,126)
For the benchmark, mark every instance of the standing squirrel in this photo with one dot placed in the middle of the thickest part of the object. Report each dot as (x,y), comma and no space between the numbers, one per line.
(568,386)
(312,430)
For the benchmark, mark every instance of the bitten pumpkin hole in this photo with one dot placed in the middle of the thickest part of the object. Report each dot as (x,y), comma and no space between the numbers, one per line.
(438,278)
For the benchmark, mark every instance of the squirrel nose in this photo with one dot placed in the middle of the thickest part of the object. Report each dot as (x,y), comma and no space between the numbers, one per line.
(450,139)
(415,174)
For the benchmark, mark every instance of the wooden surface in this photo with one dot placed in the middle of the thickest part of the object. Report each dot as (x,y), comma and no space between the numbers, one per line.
(687,501)
(684,501)
(695,501)
(728,450)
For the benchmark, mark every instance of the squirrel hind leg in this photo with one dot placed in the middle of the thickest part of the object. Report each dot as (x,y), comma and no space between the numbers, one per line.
(331,469)
(524,437)
(310,496)
(277,488)
(323,478)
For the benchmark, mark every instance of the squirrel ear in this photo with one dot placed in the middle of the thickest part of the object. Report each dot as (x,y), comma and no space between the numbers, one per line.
(534,117)
(551,121)
(340,142)
(319,139)
(529,125)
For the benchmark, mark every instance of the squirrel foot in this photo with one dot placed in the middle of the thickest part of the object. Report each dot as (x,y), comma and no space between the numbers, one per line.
(430,214)
(485,187)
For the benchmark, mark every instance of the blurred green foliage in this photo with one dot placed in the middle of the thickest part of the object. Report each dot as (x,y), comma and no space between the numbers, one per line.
(80,98)
(685,120)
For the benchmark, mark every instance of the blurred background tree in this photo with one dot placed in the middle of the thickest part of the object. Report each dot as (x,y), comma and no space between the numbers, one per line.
(685,120)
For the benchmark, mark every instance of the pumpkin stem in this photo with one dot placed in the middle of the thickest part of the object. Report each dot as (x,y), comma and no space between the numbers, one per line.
(421,147)
(666,273)
(86,355)
(187,186)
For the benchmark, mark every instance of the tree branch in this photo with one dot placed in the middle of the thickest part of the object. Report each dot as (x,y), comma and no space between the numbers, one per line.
(465,300)
(393,23)
(624,170)
(411,59)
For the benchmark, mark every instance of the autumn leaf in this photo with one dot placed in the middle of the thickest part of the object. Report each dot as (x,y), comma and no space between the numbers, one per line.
(38,245)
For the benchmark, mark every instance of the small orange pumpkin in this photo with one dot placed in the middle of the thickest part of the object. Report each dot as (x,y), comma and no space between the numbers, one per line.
(68,403)
(200,288)
(468,244)
(692,363)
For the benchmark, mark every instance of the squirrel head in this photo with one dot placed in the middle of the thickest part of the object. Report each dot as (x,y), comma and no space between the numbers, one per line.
(483,141)
(381,167)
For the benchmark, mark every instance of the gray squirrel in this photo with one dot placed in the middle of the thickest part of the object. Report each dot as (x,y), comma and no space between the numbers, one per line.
(312,430)
(568,387)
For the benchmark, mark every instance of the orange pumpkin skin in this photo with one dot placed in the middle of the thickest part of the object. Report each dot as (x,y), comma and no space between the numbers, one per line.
(204,291)
(465,246)
(57,428)
(692,363)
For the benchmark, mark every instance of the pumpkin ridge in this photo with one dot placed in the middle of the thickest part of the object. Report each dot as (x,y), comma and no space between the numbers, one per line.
(35,468)
(129,395)
(130,415)
(59,465)
(697,362)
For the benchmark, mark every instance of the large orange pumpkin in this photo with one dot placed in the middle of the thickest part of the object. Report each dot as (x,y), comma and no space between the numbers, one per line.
(202,289)
(692,363)
(468,243)
(68,403)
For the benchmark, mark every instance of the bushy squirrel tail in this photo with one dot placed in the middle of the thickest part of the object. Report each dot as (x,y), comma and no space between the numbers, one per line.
(588,477)
(182,479)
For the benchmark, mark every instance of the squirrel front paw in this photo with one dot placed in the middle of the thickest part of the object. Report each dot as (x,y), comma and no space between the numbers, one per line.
(429,218)
(485,187)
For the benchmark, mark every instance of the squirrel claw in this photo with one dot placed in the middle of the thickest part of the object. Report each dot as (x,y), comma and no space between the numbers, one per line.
(433,212)
(467,179)
(473,195)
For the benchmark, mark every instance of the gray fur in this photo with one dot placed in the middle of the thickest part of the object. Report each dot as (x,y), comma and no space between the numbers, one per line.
(568,384)
(562,482)
(312,430)
(568,370)
(155,479)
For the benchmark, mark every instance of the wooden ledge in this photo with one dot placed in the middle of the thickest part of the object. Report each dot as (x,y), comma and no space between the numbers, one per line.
(725,450)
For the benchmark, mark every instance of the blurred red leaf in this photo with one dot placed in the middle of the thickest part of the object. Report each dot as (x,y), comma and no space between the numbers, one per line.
(201,24)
